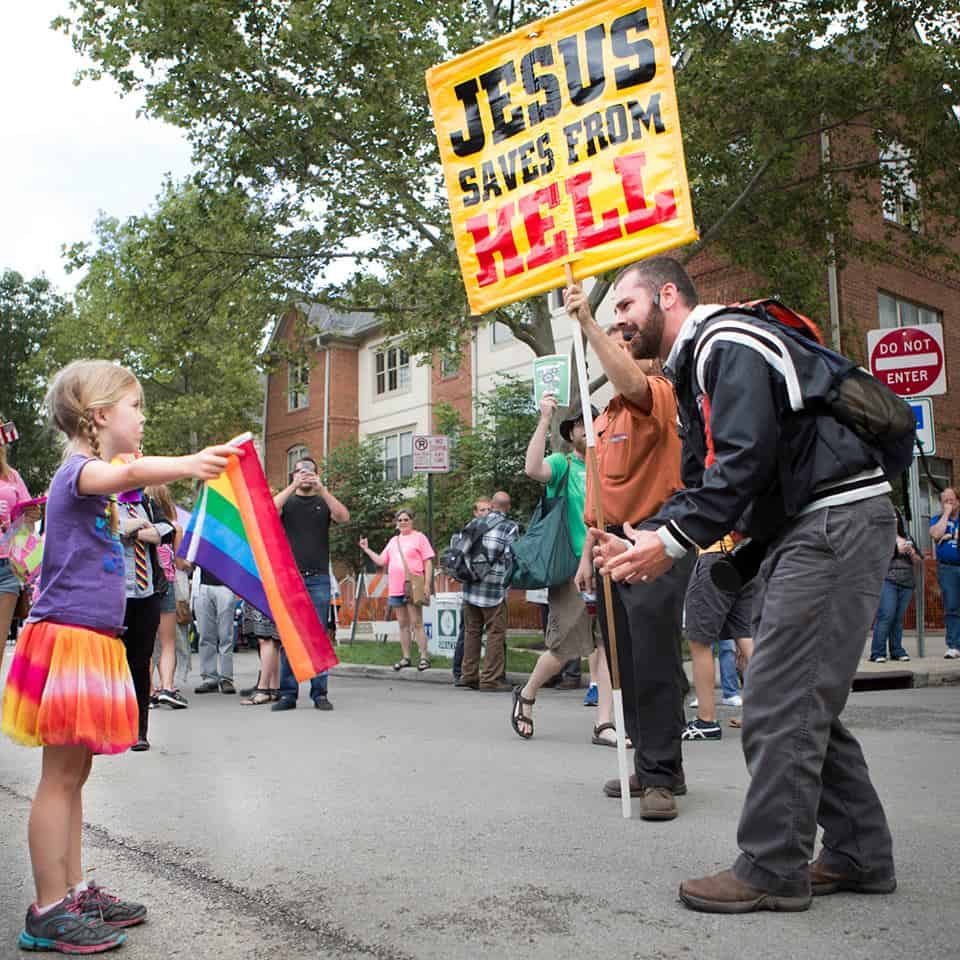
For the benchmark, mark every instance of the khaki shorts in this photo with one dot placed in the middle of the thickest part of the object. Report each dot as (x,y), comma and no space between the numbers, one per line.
(571,631)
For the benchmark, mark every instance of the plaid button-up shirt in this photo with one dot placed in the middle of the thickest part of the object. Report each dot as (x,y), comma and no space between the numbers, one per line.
(496,540)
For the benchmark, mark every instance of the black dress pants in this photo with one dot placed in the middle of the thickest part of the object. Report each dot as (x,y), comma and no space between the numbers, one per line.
(142,618)
(648,618)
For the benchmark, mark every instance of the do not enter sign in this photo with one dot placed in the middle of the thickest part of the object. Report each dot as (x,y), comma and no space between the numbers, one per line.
(909,360)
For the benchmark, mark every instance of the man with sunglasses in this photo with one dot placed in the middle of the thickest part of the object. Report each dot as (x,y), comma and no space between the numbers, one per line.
(638,456)
(306,508)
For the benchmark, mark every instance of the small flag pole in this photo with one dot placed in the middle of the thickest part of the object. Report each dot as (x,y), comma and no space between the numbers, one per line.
(594,469)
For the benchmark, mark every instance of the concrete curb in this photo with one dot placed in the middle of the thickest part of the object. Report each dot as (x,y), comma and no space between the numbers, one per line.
(410,675)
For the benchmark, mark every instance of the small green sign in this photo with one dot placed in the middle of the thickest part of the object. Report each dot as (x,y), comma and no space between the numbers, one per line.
(552,375)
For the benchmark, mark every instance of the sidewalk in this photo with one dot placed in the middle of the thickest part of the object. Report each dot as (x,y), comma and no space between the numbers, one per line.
(930,670)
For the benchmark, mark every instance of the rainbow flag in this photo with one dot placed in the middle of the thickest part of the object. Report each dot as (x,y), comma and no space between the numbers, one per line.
(235,533)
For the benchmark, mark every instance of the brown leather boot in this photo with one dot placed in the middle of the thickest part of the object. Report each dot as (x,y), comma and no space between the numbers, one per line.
(724,893)
(612,787)
(657,803)
(824,881)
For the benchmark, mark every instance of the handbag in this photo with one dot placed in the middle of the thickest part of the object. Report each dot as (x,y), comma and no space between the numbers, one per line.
(543,556)
(22,610)
(413,583)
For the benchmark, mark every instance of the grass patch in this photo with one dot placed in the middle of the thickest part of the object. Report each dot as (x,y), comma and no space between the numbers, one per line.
(387,654)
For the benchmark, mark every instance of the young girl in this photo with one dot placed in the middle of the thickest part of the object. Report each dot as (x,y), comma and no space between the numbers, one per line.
(69,689)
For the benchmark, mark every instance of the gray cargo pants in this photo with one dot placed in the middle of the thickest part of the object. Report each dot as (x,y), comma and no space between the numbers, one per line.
(818,590)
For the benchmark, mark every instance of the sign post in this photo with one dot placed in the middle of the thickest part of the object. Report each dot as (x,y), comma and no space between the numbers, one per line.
(910,361)
(431,454)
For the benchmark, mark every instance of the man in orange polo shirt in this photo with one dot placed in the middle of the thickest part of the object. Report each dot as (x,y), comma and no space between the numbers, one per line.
(638,453)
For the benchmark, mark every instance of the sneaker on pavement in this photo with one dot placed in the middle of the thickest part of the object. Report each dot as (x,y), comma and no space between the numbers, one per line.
(951,654)
(96,903)
(208,686)
(735,701)
(64,929)
(226,686)
(878,659)
(172,698)
(590,698)
(702,730)
(902,658)
(724,893)
(322,703)
(284,703)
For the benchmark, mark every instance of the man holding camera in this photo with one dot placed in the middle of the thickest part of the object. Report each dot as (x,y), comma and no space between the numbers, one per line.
(306,508)
(814,491)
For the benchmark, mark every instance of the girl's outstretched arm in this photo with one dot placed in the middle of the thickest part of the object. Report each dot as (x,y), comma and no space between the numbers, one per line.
(99,478)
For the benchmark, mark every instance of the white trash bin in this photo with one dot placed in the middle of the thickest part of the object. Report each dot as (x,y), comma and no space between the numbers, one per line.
(441,620)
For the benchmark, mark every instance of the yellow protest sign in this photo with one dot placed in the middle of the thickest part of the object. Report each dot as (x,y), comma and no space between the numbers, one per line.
(561,142)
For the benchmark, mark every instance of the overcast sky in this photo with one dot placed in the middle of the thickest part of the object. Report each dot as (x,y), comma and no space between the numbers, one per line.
(67,152)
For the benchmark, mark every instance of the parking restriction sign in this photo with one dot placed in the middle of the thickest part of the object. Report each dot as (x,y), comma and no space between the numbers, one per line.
(431,454)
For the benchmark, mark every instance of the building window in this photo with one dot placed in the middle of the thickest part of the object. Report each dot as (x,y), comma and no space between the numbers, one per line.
(901,199)
(500,333)
(392,366)
(450,363)
(396,452)
(298,385)
(894,312)
(294,456)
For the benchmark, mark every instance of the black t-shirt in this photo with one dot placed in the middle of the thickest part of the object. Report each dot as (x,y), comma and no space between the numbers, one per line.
(306,521)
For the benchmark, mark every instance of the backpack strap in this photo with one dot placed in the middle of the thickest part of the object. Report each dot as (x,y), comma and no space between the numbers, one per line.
(736,325)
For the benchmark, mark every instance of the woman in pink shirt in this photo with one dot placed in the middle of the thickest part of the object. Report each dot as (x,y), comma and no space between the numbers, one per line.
(418,555)
(12,491)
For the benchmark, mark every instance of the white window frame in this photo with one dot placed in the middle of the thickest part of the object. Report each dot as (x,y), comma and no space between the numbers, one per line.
(383,354)
(298,385)
(500,334)
(899,192)
(908,313)
(294,455)
(399,440)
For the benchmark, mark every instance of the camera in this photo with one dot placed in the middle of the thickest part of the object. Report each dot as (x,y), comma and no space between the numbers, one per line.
(739,566)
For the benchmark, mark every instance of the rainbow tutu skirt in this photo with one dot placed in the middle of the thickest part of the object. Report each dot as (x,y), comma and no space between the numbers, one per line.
(70,686)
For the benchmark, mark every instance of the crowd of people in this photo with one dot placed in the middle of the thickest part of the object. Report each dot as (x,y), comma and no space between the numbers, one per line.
(648,531)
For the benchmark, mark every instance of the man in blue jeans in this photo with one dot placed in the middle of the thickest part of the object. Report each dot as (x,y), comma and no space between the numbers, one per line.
(944,532)
(306,508)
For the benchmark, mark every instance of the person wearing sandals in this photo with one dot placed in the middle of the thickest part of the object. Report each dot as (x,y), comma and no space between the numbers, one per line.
(407,555)
(571,631)
(306,508)
(259,625)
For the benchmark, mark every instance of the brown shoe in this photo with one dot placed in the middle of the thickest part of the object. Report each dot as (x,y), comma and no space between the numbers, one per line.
(824,881)
(495,688)
(612,787)
(569,684)
(657,803)
(724,893)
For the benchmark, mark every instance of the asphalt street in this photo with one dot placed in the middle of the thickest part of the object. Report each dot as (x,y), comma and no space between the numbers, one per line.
(413,823)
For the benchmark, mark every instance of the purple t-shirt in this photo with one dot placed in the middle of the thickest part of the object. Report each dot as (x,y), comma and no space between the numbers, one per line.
(82,573)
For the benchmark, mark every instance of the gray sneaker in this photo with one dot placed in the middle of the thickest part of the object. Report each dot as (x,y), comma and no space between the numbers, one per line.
(226,686)
(64,929)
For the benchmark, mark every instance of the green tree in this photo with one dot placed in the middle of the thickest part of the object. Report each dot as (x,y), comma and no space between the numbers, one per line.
(320,104)
(353,471)
(486,458)
(164,294)
(29,309)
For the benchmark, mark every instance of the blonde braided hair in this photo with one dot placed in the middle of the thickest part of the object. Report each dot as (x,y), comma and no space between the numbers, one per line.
(76,392)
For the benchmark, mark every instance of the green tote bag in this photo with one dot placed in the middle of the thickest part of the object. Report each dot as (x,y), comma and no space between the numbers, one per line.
(543,556)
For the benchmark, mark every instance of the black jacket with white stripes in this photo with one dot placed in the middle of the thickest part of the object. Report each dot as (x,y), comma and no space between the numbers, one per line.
(754,457)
